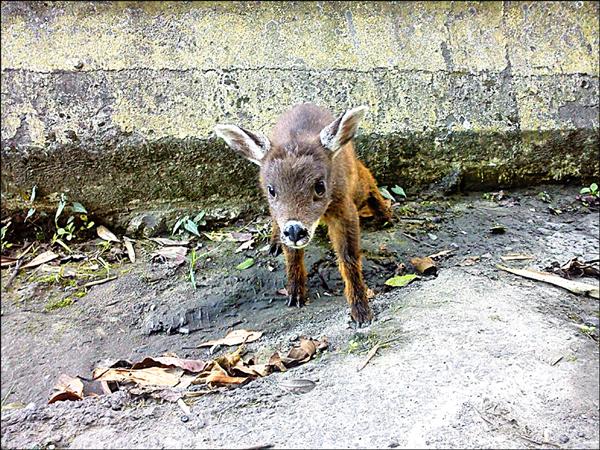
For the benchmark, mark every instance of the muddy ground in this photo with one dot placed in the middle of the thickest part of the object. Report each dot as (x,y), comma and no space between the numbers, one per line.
(481,357)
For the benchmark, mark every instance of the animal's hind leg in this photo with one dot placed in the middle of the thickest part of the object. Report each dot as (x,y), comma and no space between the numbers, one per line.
(378,205)
(382,211)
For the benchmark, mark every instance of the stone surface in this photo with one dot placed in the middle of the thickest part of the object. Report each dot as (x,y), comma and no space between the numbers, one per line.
(114,103)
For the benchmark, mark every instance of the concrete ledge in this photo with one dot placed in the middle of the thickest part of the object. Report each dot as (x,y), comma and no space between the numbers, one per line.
(115,102)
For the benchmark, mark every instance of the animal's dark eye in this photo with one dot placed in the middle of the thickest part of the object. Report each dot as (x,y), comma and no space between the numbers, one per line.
(320,188)
(271,190)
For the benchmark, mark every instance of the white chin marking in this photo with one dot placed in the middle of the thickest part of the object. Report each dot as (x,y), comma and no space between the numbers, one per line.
(297,247)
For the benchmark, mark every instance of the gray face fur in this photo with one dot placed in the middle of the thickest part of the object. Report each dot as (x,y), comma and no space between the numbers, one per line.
(297,185)
(296,176)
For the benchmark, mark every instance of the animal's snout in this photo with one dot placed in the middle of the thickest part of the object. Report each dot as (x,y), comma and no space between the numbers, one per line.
(295,232)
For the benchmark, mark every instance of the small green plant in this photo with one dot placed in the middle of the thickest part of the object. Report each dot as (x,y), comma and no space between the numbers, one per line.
(3,242)
(189,225)
(246,264)
(263,232)
(360,343)
(589,331)
(591,190)
(494,196)
(57,304)
(193,260)
(353,347)
(68,232)
(31,210)
(545,197)
(396,190)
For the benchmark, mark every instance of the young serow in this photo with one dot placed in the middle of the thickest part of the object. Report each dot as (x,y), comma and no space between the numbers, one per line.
(309,172)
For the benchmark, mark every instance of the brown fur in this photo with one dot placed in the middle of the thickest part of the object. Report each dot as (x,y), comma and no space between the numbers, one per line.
(294,162)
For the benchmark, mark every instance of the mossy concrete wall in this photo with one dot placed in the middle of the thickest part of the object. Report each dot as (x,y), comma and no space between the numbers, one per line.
(114,102)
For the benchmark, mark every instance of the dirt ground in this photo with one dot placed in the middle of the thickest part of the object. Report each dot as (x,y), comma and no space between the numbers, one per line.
(481,358)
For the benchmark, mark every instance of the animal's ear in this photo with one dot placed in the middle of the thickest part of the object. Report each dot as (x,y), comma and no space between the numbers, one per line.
(339,132)
(252,146)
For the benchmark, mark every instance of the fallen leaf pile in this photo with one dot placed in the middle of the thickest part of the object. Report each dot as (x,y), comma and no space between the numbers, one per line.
(168,377)
(575,268)
(235,337)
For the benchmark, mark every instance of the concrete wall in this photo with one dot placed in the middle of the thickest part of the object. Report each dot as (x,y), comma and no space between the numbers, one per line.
(114,102)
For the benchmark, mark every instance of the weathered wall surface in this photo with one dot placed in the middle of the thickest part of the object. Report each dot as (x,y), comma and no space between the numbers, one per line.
(114,102)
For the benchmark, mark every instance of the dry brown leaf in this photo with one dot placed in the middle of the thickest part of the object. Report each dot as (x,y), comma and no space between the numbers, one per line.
(241,237)
(129,247)
(470,261)
(97,282)
(175,253)
(298,355)
(218,375)
(253,370)
(424,265)
(576,287)
(370,293)
(369,357)
(516,257)
(156,376)
(191,365)
(105,234)
(67,388)
(440,254)
(186,380)
(575,268)
(245,246)
(7,261)
(65,272)
(168,395)
(229,360)
(235,337)
(275,361)
(170,242)
(41,259)
(304,352)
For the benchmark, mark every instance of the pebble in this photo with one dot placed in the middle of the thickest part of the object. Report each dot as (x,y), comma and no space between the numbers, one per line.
(116,405)
(581,434)
(592,321)
(563,439)
(184,419)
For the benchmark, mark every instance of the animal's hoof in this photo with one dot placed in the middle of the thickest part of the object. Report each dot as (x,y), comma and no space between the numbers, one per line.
(275,249)
(295,300)
(361,315)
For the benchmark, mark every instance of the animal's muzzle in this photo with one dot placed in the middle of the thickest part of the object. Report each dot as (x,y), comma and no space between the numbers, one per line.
(295,234)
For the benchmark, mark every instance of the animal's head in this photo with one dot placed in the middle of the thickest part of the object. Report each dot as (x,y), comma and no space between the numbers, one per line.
(296,174)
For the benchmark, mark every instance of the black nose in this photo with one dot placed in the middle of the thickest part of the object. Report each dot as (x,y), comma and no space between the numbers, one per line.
(295,232)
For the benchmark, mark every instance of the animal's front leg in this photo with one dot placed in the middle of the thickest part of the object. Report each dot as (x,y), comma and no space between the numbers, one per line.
(296,276)
(344,232)
(275,247)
